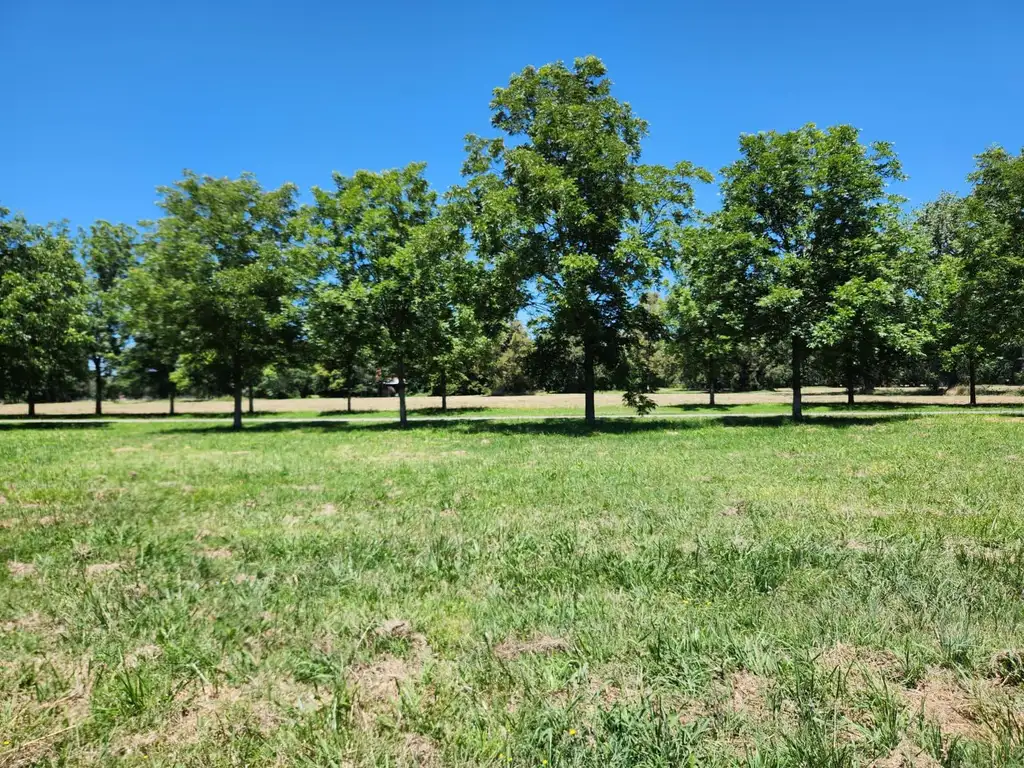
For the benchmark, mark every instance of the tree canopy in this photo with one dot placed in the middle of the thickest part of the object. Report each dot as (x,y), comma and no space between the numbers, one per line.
(561,260)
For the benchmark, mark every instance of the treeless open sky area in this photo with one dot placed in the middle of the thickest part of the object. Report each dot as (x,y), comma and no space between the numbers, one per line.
(114,98)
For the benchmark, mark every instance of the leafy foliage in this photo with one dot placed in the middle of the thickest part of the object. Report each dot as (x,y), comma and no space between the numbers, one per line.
(44,329)
(564,206)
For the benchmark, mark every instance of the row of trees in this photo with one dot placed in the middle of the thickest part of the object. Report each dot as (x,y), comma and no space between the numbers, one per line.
(557,217)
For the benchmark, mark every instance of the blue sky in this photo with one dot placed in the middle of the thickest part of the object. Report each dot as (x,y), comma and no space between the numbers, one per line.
(103,101)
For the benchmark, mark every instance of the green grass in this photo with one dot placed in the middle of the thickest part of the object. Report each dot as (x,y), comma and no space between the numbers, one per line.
(420,412)
(652,593)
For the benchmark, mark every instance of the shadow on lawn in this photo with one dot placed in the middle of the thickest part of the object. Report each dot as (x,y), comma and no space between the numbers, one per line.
(413,412)
(37,425)
(573,427)
(811,406)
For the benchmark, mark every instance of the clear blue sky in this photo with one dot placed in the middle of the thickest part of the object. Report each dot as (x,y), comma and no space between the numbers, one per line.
(103,101)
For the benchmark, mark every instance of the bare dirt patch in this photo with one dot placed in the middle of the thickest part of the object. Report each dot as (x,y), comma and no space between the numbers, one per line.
(513,648)
(75,681)
(420,750)
(328,510)
(216,554)
(737,509)
(141,654)
(381,680)
(258,703)
(747,695)
(30,622)
(97,570)
(20,570)
(402,628)
(945,702)
(906,755)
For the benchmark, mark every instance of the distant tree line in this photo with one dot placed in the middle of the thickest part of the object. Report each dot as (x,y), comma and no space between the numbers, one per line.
(561,262)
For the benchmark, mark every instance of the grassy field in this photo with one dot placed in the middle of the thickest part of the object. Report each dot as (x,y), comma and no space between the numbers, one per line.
(546,405)
(651,593)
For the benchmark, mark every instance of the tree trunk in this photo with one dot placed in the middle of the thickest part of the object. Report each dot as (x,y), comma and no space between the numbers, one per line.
(972,374)
(31,404)
(588,386)
(171,393)
(252,410)
(403,417)
(444,391)
(849,382)
(99,385)
(237,387)
(798,371)
(348,388)
(711,384)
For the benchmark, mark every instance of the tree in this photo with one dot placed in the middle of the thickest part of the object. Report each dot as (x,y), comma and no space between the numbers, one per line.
(108,252)
(815,202)
(508,372)
(338,320)
(155,295)
(709,304)
(565,207)
(995,214)
(878,316)
(392,243)
(457,311)
(977,248)
(226,246)
(43,324)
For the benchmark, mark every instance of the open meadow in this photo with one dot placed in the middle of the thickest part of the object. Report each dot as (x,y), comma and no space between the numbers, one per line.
(708,592)
(543,404)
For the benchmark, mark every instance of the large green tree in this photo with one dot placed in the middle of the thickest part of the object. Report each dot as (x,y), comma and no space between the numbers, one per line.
(340,330)
(108,253)
(995,210)
(393,251)
(568,216)
(226,246)
(977,247)
(44,329)
(709,305)
(817,205)
(155,294)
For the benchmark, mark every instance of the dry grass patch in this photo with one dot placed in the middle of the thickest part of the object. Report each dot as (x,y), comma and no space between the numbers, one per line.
(747,695)
(513,648)
(906,755)
(30,622)
(216,554)
(141,654)
(97,570)
(20,570)
(419,750)
(942,700)
(381,681)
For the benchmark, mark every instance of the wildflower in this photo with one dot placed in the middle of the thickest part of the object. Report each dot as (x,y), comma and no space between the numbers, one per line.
(572,731)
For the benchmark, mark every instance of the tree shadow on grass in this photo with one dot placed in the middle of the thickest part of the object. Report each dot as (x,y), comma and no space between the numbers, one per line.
(810,406)
(558,427)
(28,426)
(39,417)
(413,412)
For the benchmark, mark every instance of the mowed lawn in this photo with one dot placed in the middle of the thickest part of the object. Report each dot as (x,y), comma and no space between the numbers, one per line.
(653,593)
